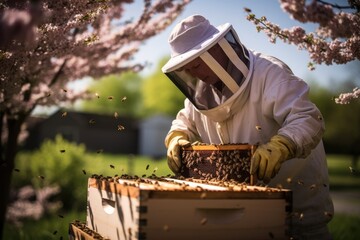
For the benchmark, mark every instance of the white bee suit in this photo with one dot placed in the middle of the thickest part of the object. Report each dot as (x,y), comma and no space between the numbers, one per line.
(271,101)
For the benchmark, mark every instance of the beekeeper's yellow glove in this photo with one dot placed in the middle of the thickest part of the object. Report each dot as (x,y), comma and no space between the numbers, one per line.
(174,141)
(267,158)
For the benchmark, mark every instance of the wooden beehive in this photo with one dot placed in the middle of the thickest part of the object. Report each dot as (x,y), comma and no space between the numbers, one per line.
(222,162)
(178,209)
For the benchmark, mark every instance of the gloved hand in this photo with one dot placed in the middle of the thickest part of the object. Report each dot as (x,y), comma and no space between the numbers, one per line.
(174,141)
(267,158)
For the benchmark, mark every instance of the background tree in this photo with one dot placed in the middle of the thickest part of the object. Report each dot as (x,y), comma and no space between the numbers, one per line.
(336,40)
(73,39)
(160,95)
(342,135)
(115,94)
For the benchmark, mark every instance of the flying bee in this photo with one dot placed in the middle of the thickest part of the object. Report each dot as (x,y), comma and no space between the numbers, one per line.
(62,150)
(123,99)
(60,216)
(203,195)
(120,127)
(99,151)
(64,114)
(166,228)
(116,115)
(41,177)
(301,216)
(84,172)
(313,186)
(203,221)
(112,166)
(110,97)
(97,95)
(258,127)
(352,170)
(91,121)
(55,232)
(328,214)
(147,167)
(64,90)
(289,180)
(16,170)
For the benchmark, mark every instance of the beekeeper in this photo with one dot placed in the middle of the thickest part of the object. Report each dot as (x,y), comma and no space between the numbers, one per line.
(235,95)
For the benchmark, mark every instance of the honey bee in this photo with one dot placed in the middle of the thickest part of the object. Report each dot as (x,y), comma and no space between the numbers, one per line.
(64,114)
(110,97)
(64,90)
(203,195)
(300,182)
(123,99)
(112,166)
(166,228)
(41,177)
(116,115)
(120,127)
(147,167)
(203,221)
(84,172)
(329,214)
(313,186)
(258,127)
(62,150)
(352,170)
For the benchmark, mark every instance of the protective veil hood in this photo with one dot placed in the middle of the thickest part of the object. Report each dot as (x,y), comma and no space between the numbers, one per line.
(209,65)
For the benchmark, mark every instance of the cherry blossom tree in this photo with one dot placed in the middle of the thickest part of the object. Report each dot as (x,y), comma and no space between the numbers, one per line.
(336,40)
(45,44)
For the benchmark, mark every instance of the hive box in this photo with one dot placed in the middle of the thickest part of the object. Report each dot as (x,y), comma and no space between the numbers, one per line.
(179,209)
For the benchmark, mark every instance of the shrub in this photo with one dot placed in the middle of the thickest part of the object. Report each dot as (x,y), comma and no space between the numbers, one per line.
(56,162)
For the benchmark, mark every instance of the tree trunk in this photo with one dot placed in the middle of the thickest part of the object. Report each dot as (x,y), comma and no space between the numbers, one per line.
(8,153)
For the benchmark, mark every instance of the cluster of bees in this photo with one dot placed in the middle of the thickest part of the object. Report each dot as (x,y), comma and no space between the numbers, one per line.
(87,230)
(217,164)
(230,185)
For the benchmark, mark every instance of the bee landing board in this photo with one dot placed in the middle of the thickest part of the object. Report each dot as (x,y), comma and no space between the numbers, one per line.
(222,162)
(179,209)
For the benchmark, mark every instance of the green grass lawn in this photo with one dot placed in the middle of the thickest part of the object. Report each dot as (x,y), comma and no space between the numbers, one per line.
(342,175)
(55,227)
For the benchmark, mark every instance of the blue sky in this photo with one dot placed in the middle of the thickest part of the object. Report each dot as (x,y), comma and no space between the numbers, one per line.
(219,12)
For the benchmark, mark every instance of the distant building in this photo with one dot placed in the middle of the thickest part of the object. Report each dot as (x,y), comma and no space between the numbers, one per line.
(120,135)
(152,135)
(95,131)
